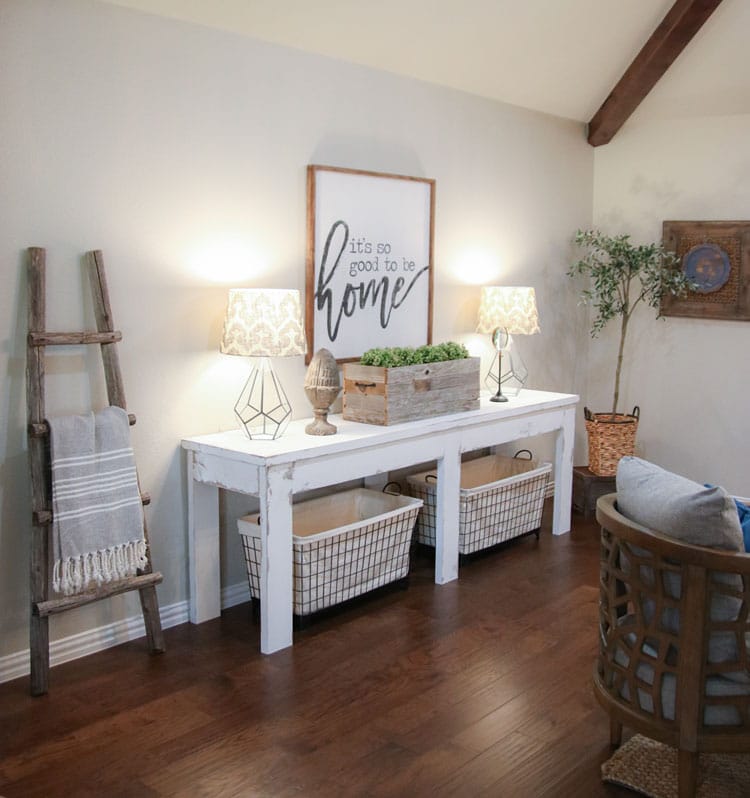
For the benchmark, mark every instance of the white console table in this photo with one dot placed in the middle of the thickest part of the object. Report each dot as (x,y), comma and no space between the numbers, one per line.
(275,470)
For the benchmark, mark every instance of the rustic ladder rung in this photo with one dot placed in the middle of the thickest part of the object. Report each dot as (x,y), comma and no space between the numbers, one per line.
(53,606)
(41,429)
(39,461)
(45,517)
(73,338)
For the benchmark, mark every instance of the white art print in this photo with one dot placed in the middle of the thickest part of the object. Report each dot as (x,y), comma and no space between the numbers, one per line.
(369,261)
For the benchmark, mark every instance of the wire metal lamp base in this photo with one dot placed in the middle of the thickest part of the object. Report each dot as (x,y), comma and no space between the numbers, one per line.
(263,408)
(507,375)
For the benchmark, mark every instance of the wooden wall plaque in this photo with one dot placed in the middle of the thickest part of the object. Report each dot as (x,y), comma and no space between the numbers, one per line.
(715,255)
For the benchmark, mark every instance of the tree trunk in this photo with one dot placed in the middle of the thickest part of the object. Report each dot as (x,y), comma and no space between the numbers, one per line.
(623,333)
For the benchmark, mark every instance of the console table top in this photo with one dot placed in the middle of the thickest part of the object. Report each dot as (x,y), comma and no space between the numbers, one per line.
(296,444)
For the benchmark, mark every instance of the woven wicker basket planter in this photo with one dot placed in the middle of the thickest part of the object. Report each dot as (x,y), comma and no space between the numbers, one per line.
(610,438)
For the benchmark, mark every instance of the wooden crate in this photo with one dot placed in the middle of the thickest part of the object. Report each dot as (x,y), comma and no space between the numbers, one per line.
(378,395)
(587,488)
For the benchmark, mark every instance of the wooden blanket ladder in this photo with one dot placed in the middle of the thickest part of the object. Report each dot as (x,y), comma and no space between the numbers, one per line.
(42,605)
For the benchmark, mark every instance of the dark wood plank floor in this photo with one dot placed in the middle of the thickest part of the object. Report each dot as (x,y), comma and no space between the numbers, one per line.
(476,688)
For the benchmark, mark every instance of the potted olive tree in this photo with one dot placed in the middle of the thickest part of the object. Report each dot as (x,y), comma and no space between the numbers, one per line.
(621,275)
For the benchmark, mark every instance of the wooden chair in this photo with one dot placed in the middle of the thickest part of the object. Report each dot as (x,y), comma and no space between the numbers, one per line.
(684,684)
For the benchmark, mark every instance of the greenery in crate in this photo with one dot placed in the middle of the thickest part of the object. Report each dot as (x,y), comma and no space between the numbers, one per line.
(621,276)
(408,356)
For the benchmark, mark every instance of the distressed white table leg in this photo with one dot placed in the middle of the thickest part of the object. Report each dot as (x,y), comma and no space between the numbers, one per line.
(276,559)
(203,548)
(446,520)
(563,473)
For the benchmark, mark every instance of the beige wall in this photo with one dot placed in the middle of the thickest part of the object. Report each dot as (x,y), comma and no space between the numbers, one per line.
(689,376)
(181,152)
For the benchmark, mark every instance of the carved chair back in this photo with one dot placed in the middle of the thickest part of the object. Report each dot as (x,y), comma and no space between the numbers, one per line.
(673,637)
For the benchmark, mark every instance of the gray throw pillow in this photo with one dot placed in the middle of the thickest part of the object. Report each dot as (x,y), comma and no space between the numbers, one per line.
(676,506)
(690,513)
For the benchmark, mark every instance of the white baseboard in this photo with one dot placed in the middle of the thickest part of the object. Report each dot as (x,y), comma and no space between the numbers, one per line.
(235,594)
(15,665)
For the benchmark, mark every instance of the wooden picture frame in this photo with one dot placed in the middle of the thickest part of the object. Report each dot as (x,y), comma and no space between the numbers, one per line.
(717,256)
(369,272)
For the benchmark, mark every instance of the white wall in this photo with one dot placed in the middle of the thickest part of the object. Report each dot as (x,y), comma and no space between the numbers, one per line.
(689,376)
(181,152)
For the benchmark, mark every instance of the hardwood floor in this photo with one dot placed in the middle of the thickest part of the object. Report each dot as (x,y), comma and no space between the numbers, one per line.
(476,688)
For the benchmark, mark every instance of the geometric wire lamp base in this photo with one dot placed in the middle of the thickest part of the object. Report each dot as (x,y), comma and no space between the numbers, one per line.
(262,407)
(514,372)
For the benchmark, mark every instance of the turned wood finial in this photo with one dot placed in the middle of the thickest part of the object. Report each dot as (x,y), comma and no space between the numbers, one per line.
(322,386)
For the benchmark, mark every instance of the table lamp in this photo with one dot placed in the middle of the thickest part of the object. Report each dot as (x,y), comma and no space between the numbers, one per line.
(263,323)
(506,311)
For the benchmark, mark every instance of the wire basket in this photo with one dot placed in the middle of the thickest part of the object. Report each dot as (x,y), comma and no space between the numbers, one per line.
(611,436)
(343,545)
(501,498)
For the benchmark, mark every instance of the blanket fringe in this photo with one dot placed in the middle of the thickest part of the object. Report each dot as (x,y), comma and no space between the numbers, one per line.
(76,574)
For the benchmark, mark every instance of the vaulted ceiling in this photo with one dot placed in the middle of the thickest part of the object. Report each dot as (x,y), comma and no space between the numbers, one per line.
(561,57)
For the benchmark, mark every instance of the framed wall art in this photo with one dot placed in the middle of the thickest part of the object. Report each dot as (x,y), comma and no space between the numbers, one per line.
(369,261)
(716,257)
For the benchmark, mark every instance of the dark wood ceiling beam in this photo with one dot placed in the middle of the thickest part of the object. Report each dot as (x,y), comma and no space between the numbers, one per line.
(681,23)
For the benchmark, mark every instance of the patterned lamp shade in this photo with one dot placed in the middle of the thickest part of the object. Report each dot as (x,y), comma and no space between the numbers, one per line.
(263,322)
(511,308)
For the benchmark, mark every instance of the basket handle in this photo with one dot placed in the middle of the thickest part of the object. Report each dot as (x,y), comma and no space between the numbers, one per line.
(391,492)
(429,477)
(589,416)
(526,451)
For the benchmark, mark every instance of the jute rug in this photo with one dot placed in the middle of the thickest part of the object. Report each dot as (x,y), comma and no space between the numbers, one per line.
(650,768)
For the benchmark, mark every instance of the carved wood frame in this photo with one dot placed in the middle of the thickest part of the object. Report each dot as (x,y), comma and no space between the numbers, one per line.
(732,300)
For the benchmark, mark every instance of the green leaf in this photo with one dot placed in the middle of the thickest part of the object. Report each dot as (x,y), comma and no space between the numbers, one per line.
(406,356)
(620,275)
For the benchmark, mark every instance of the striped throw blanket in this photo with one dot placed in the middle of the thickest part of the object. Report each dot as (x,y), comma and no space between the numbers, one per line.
(97,515)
